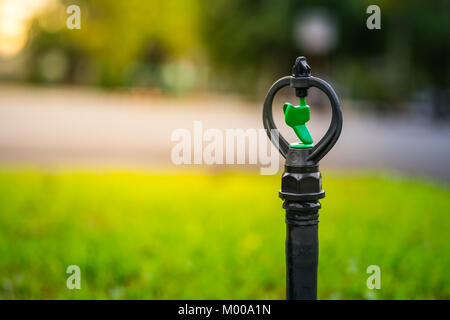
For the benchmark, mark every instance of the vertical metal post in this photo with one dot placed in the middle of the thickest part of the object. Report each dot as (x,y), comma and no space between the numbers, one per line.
(301,183)
(301,188)
(302,253)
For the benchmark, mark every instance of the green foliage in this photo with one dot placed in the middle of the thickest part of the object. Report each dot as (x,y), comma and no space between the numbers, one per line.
(121,40)
(164,236)
(248,40)
(242,46)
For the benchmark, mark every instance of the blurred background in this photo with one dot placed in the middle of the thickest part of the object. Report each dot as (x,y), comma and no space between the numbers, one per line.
(86,117)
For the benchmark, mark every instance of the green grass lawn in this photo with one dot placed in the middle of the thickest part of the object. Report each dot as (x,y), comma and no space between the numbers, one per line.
(140,235)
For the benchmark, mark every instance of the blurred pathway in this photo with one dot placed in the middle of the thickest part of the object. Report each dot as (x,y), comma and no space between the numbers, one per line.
(64,126)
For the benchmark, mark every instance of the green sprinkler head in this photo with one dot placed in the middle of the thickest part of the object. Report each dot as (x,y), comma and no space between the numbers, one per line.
(296,118)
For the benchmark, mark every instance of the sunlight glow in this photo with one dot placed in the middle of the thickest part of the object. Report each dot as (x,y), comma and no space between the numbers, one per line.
(15,21)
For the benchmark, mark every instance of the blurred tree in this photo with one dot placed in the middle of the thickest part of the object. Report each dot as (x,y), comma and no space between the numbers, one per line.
(248,43)
(123,39)
(252,41)
(246,39)
(429,32)
(252,37)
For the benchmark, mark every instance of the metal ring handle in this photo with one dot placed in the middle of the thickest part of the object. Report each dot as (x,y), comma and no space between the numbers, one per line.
(334,130)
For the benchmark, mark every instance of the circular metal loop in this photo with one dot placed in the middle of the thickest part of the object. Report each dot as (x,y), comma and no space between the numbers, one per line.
(334,130)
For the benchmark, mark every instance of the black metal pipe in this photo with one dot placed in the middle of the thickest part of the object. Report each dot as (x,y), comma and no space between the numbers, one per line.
(301,188)
(302,254)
